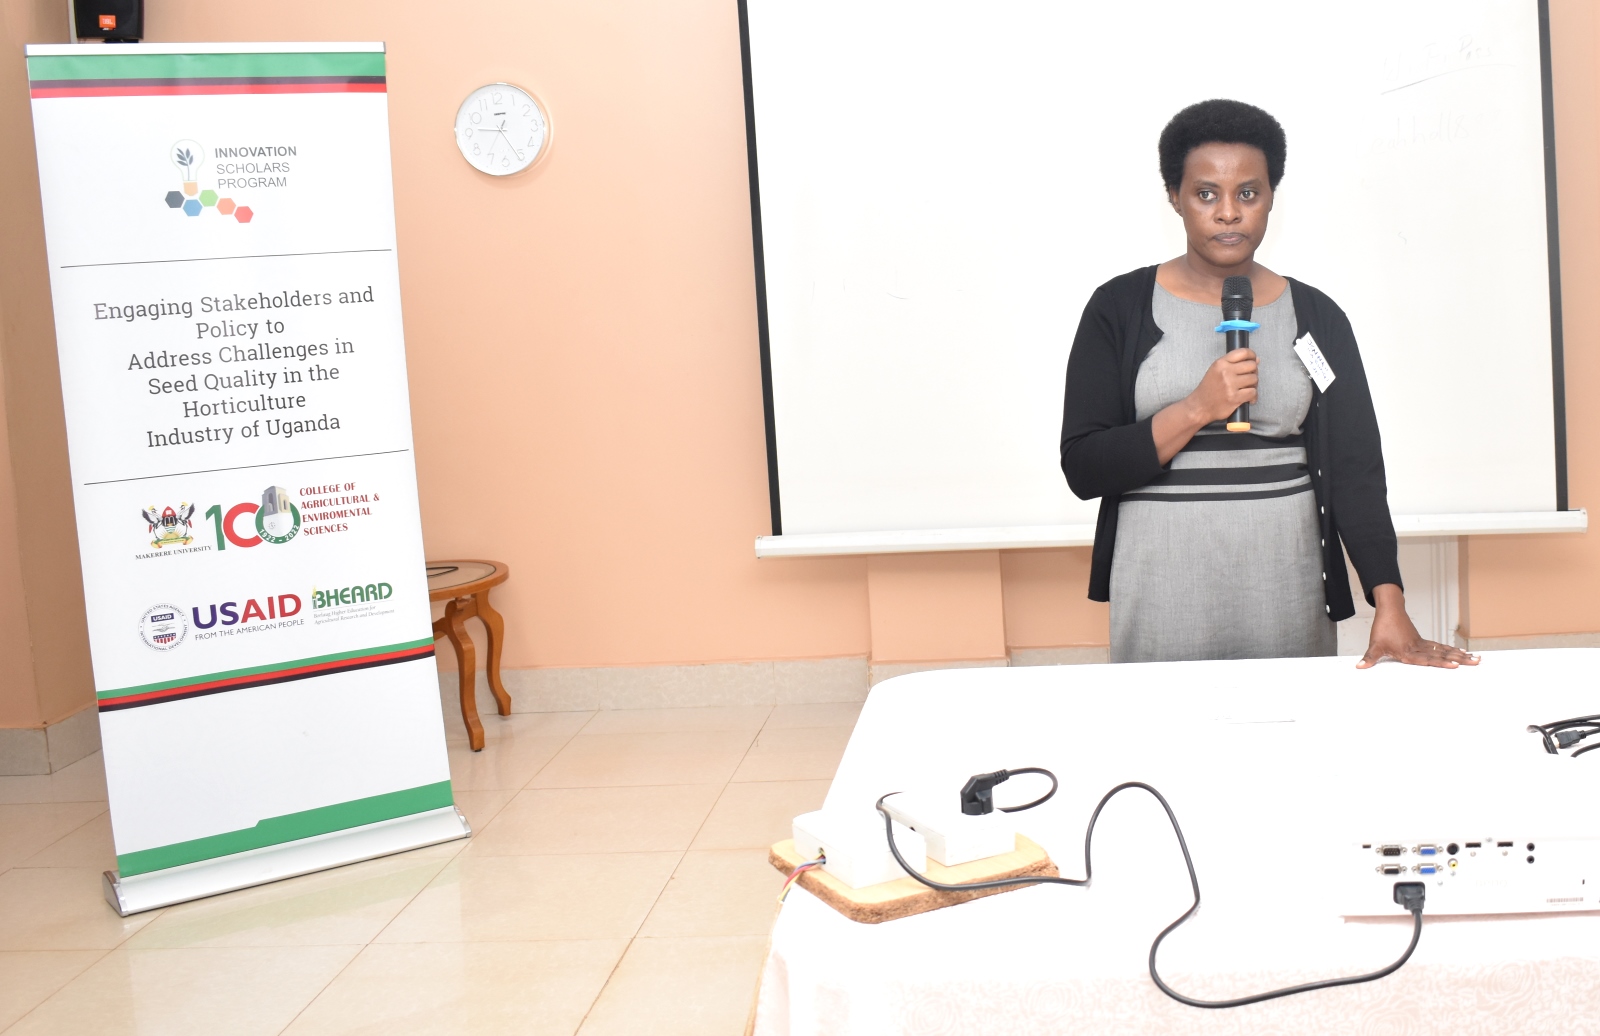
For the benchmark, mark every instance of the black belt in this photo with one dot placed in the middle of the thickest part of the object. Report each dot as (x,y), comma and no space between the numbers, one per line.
(1240,441)
(1248,494)
(1250,476)
(1246,475)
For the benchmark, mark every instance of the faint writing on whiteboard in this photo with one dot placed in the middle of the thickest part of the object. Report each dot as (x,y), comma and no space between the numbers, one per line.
(1433,60)
(1439,127)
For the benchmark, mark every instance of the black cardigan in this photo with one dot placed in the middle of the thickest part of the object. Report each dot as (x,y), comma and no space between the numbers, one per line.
(1106,451)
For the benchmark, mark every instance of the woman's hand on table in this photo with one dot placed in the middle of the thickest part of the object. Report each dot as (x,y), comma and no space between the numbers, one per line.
(1395,636)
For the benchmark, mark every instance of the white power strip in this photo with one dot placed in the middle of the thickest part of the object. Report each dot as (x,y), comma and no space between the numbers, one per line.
(857,846)
(953,837)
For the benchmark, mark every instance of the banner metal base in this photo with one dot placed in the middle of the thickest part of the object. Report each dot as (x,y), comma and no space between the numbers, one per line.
(140,892)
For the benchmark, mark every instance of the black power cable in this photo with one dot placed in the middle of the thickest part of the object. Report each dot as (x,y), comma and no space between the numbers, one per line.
(1564,733)
(1409,894)
(1042,799)
(977,797)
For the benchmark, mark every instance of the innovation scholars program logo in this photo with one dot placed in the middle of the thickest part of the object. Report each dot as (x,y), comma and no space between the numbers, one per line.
(163,626)
(189,158)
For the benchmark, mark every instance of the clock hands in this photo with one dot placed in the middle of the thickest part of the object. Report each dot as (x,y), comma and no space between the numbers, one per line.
(496,132)
(501,131)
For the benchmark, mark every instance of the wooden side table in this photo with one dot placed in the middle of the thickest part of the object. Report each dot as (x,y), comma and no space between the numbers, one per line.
(464,587)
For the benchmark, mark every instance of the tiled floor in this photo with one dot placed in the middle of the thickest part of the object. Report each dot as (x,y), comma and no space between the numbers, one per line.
(616,883)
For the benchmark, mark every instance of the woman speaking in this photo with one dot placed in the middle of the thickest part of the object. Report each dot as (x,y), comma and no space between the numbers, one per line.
(1214,543)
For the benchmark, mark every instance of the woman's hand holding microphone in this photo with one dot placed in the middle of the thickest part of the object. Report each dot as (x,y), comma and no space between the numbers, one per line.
(1228,382)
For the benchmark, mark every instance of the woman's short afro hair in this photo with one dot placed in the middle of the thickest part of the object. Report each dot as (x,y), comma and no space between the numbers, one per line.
(1221,122)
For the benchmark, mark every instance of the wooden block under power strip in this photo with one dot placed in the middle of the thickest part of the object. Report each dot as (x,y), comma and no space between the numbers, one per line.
(906,896)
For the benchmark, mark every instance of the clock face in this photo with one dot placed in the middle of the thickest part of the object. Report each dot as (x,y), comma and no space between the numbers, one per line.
(501,129)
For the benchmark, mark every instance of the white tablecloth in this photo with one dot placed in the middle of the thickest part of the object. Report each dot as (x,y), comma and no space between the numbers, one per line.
(1274,767)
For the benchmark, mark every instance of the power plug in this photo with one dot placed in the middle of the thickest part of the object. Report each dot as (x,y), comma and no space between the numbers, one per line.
(856,846)
(953,837)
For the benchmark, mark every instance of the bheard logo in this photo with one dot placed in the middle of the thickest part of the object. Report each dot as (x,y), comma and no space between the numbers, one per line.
(189,158)
(350,595)
(163,626)
(171,526)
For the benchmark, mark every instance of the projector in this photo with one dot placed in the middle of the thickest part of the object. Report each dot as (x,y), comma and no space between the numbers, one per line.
(1526,874)
(1475,809)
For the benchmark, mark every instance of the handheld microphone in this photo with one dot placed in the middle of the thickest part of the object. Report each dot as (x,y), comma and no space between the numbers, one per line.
(1237,302)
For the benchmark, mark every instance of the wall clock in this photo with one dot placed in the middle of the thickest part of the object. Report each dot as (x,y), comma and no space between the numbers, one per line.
(502,129)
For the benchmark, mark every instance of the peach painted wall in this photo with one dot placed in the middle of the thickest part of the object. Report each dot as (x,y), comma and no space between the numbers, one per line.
(584,373)
(19,704)
(44,674)
(1046,600)
(1529,585)
(936,607)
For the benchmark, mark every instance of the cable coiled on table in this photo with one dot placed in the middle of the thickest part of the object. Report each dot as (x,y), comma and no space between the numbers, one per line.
(1409,894)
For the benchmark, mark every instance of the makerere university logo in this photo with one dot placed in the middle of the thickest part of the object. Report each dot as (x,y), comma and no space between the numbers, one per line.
(190,158)
(171,526)
(163,626)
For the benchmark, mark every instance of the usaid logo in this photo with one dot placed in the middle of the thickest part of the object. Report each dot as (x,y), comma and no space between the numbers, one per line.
(163,627)
(231,613)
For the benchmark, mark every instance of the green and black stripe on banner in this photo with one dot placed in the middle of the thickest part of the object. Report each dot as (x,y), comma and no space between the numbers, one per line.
(156,75)
(261,676)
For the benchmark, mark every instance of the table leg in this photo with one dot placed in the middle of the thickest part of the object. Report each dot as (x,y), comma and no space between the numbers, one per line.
(466,661)
(496,629)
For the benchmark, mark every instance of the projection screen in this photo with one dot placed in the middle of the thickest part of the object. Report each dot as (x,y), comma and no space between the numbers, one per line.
(938,186)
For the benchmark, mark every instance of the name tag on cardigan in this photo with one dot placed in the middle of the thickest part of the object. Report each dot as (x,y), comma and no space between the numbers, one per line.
(1316,363)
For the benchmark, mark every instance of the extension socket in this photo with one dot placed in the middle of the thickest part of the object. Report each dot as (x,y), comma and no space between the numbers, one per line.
(953,837)
(856,846)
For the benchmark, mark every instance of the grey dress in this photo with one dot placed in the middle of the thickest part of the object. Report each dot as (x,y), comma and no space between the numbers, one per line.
(1221,557)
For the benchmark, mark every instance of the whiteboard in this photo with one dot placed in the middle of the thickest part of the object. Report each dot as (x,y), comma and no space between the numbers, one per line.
(938,186)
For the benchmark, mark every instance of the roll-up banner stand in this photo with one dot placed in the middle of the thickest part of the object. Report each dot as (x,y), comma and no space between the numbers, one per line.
(219,222)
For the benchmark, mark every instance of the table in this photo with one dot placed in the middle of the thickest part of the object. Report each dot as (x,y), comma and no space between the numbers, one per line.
(464,587)
(1270,765)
